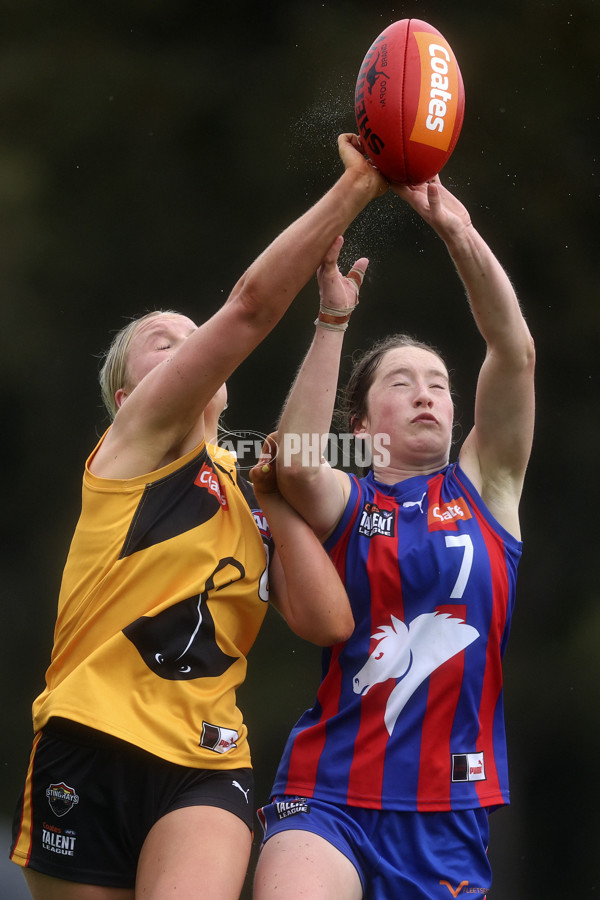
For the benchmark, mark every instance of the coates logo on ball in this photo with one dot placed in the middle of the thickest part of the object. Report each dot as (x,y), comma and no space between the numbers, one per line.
(409,102)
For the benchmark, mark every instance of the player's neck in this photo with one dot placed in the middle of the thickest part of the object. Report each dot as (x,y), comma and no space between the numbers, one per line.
(392,474)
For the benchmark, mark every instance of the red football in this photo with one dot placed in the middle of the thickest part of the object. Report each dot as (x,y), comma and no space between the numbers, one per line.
(409,102)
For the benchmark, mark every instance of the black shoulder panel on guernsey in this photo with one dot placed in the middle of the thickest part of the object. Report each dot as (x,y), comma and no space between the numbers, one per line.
(248,492)
(171,506)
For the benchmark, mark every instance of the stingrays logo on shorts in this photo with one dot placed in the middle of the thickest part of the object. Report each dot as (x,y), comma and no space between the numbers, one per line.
(377,521)
(61,798)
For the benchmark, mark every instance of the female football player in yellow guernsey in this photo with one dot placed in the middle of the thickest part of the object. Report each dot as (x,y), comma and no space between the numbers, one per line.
(139,782)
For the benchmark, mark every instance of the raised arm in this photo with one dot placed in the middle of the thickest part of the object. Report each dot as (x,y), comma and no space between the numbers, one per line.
(310,484)
(496,452)
(167,403)
(305,586)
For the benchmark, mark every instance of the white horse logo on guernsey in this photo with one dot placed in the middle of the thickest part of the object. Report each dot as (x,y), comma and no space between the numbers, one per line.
(410,654)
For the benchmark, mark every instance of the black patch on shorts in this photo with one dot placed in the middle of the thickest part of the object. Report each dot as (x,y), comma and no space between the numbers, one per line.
(287,808)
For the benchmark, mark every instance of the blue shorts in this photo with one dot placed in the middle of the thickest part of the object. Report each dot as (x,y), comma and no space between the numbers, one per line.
(412,855)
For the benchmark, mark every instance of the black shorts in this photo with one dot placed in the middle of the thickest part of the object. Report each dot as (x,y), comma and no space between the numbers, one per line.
(93,799)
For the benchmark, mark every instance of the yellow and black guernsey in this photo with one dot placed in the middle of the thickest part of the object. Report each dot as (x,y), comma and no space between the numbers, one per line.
(163,594)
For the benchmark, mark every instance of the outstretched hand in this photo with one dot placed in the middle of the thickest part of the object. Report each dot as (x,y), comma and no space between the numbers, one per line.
(436,206)
(339,291)
(353,156)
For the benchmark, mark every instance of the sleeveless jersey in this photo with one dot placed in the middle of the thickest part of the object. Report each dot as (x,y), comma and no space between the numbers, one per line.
(162,596)
(409,712)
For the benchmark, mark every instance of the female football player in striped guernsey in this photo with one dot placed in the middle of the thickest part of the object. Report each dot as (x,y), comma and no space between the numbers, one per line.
(385,785)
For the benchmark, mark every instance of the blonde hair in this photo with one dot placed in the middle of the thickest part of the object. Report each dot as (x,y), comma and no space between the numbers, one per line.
(113,372)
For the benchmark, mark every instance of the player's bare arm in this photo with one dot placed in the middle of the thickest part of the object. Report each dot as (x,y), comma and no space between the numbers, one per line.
(304,585)
(496,453)
(318,491)
(163,414)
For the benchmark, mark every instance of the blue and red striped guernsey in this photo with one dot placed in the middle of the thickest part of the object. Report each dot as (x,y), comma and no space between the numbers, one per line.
(409,712)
